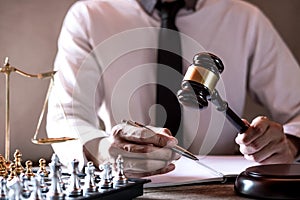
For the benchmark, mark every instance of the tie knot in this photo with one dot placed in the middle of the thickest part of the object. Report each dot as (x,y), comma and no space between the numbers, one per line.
(168,10)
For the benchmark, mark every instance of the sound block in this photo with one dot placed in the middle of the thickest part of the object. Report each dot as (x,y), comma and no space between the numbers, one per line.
(276,181)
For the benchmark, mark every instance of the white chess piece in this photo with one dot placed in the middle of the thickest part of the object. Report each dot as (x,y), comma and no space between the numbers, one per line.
(74,189)
(55,190)
(106,176)
(120,179)
(89,182)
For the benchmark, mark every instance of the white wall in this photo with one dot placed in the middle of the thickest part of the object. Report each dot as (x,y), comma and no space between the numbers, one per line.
(285,16)
(28,34)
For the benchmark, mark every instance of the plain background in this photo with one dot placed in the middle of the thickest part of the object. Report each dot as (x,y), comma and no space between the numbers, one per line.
(28,36)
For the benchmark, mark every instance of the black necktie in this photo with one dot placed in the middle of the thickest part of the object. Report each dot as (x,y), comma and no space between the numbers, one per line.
(169,54)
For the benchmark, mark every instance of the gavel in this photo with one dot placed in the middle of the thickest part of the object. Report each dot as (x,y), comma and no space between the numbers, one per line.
(198,87)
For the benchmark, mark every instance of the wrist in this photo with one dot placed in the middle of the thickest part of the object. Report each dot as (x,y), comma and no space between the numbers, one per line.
(294,145)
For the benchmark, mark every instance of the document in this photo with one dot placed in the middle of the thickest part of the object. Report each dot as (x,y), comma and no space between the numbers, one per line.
(207,169)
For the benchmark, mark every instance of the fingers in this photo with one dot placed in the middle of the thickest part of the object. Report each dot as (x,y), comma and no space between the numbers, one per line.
(145,152)
(163,131)
(133,150)
(264,142)
(257,128)
(261,155)
(157,137)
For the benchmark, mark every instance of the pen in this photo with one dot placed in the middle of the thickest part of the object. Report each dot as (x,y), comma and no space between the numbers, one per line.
(176,148)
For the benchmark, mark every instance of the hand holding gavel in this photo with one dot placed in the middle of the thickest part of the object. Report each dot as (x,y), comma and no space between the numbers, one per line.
(262,140)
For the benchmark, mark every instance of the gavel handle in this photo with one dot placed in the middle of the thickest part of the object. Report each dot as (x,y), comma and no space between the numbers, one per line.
(222,106)
(236,121)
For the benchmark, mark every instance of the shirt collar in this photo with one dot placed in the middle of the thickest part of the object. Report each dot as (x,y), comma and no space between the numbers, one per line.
(149,5)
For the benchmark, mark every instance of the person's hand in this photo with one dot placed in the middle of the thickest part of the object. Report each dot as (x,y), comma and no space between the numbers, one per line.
(145,152)
(266,143)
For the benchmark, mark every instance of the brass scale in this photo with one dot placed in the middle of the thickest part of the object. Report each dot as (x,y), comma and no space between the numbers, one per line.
(7,69)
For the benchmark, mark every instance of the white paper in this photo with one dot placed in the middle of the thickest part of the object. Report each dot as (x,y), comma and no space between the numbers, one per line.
(213,168)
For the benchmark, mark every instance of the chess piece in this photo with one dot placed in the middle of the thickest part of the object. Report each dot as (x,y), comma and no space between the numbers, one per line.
(59,173)
(42,173)
(106,176)
(3,168)
(74,188)
(4,190)
(25,190)
(120,179)
(15,191)
(28,172)
(36,193)
(18,165)
(42,169)
(26,178)
(55,190)
(12,172)
(89,183)
(43,186)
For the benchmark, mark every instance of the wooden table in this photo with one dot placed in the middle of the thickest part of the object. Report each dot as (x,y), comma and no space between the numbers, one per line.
(192,192)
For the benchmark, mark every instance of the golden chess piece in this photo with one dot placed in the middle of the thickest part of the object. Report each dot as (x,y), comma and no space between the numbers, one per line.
(29,173)
(42,170)
(3,168)
(19,168)
(12,172)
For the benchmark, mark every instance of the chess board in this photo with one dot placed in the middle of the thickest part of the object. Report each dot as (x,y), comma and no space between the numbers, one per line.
(55,183)
(129,191)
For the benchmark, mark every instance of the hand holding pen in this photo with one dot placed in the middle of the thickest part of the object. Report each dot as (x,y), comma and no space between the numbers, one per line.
(146,152)
(175,148)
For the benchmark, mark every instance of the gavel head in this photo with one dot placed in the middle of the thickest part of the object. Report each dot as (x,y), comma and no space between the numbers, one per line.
(200,80)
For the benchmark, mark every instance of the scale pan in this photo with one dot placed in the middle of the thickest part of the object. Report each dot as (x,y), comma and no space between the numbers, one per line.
(51,140)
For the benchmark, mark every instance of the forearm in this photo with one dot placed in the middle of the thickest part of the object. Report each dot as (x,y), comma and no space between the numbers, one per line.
(97,150)
(75,149)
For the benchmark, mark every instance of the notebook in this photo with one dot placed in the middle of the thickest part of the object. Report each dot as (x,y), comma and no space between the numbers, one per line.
(207,169)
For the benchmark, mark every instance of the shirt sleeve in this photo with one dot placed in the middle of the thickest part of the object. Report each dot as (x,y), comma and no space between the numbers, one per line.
(74,98)
(274,76)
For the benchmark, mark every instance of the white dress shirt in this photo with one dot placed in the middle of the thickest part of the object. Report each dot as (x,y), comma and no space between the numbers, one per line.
(107,72)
